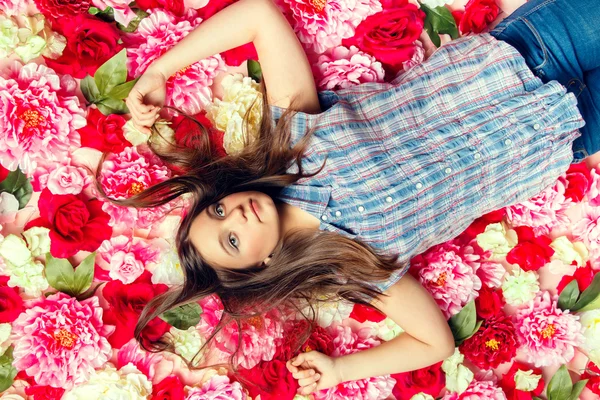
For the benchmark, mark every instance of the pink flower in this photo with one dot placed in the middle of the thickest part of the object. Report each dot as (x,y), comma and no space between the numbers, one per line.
(478,390)
(587,229)
(60,341)
(321,25)
(127,173)
(448,272)
(594,193)
(126,257)
(341,67)
(548,334)
(144,361)
(39,115)
(189,88)
(490,272)
(417,57)
(123,14)
(14,7)
(544,211)
(219,387)
(345,341)
(68,179)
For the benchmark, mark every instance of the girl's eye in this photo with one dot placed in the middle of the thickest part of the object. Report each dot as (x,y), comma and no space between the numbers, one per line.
(219,210)
(233,241)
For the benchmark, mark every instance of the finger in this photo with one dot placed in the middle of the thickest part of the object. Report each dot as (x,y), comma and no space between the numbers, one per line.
(148,119)
(299,359)
(140,128)
(304,374)
(306,390)
(290,367)
(309,381)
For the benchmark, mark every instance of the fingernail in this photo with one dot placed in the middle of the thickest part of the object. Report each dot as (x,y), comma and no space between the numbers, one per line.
(317,376)
(312,372)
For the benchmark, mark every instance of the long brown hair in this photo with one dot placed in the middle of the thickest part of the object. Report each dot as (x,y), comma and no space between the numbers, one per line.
(305,265)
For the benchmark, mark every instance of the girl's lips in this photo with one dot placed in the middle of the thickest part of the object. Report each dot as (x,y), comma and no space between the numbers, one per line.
(254,207)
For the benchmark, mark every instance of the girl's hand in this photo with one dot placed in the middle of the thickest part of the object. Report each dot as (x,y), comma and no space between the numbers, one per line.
(146,98)
(314,371)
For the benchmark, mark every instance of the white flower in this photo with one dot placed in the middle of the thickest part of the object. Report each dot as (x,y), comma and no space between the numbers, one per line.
(328,312)
(422,396)
(187,343)
(8,36)
(11,396)
(4,337)
(498,240)
(134,136)
(567,251)
(240,92)
(520,287)
(526,380)
(38,240)
(168,269)
(590,321)
(24,271)
(128,383)
(458,377)
(435,3)
(8,203)
(386,329)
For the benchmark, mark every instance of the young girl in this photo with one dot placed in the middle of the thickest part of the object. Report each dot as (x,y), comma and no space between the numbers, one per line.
(387,170)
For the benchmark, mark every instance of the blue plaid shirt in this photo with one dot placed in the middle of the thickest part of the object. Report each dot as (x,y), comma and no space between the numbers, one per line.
(413,162)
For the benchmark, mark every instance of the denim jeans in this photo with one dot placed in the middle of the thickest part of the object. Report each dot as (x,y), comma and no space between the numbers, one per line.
(560,40)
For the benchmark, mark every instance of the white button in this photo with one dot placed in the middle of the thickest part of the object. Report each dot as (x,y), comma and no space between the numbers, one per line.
(361,208)
(324,217)
(419,185)
(448,170)
(388,199)
(513,119)
(507,142)
(537,127)
(338,213)
(477,156)
(494,102)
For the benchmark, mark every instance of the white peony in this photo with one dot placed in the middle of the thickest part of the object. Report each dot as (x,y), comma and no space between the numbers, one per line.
(590,321)
(526,380)
(168,269)
(458,377)
(187,343)
(24,271)
(498,240)
(520,286)
(38,240)
(567,251)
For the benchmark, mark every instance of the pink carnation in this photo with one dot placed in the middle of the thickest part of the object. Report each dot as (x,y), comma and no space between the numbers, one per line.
(587,229)
(126,258)
(490,272)
(341,67)
(448,272)
(417,58)
(127,173)
(594,193)
(478,390)
(14,7)
(321,25)
(39,116)
(143,360)
(189,88)
(123,14)
(60,341)
(548,334)
(544,211)
(345,341)
(218,387)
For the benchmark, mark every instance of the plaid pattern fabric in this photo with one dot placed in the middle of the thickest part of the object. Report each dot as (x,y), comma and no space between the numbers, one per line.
(413,162)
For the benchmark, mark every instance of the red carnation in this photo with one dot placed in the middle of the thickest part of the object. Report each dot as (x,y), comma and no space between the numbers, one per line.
(489,302)
(11,304)
(532,252)
(44,392)
(495,342)
(478,15)
(362,313)
(478,226)
(508,384)
(57,9)
(430,380)
(174,6)
(583,275)
(188,133)
(579,181)
(104,133)
(169,388)
(75,223)
(271,380)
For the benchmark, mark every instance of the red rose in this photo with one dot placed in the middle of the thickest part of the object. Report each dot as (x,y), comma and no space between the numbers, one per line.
(363,313)
(56,9)
(175,6)
(234,57)
(188,134)
(126,304)
(508,385)
(169,388)
(430,380)
(75,223)
(44,392)
(389,35)
(531,253)
(104,133)
(3,173)
(478,226)
(579,181)
(11,304)
(583,275)
(270,380)
(489,302)
(90,43)
(478,15)
(495,342)
(594,377)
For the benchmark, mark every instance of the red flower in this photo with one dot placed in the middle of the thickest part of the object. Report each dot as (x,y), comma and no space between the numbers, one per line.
(169,388)
(430,380)
(11,304)
(213,7)
(234,57)
(583,275)
(489,302)
(56,9)
(363,313)
(478,226)
(3,173)
(508,385)
(269,379)
(579,181)
(478,15)
(531,253)
(44,392)
(495,342)
(389,35)
(594,378)
(90,42)
(75,223)
(188,134)
(318,340)
(126,304)
(175,6)
(104,133)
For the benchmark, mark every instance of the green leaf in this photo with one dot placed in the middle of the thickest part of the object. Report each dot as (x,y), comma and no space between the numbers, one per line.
(577,389)
(133,25)
(589,295)
(463,324)
(568,297)
(435,38)
(121,91)
(112,73)
(93,10)
(107,15)
(17,184)
(90,89)
(560,385)
(254,70)
(62,277)
(7,371)
(84,274)
(184,316)
(112,106)
(439,20)
(477,325)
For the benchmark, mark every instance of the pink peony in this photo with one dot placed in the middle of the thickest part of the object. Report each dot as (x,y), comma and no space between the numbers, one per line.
(39,115)
(544,211)
(341,67)
(594,193)
(587,230)
(143,360)
(127,173)
(189,88)
(478,390)
(123,14)
(345,341)
(218,387)
(14,7)
(126,257)
(548,334)
(321,25)
(448,272)
(490,272)
(60,341)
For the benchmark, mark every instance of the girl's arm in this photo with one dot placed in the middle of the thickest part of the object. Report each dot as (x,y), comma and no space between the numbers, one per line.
(285,68)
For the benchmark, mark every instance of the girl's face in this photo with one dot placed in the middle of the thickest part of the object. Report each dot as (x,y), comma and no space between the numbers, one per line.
(240,231)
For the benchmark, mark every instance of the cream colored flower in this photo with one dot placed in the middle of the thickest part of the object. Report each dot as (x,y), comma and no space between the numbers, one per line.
(134,136)
(8,36)
(458,377)
(38,240)
(520,286)
(386,329)
(187,343)
(526,380)
(168,269)
(328,312)
(498,240)
(24,271)
(567,251)
(4,337)
(422,396)
(590,321)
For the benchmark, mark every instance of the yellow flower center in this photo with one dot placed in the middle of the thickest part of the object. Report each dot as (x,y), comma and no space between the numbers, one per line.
(440,280)
(182,71)
(65,338)
(492,344)
(32,118)
(318,5)
(307,348)
(256,322)
(548,331)
(136,188)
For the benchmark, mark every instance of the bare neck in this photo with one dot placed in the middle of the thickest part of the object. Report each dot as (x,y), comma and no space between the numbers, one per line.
(292,217)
